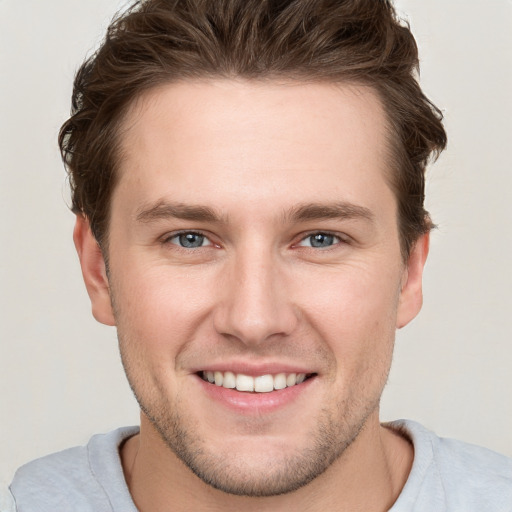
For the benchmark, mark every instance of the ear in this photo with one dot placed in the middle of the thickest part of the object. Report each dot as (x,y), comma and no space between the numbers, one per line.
(411,294)
(93,271)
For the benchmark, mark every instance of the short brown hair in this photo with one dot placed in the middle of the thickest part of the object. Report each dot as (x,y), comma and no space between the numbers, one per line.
(162,41)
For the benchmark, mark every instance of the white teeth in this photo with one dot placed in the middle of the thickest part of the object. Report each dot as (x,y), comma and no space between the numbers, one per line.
(260,384)
(219,378)
(264,384)
(244,383)
(280,381)
(229,380)
(291,379)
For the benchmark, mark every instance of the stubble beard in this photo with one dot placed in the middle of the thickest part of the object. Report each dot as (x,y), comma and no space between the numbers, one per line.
(233,475)
(229,472)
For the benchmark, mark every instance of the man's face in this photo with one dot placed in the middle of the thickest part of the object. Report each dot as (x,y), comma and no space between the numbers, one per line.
(253,238)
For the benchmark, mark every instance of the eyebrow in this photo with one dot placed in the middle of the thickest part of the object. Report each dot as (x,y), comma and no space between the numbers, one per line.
(164,210)
(321,211)
(305,212)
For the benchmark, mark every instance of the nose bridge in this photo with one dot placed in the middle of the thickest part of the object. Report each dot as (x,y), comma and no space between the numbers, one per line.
(255,305)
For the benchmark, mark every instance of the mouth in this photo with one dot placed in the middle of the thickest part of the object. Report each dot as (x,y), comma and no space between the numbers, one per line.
(260,384)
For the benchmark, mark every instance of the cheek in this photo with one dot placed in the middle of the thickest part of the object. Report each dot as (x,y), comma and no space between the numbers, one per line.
(351,297)
(156,318)
(161,310)
(354,311)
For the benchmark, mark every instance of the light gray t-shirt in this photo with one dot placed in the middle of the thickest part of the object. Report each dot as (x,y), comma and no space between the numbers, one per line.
(447,476)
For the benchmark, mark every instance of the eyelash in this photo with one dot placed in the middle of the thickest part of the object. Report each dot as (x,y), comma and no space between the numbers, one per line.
(167,239)
(338,240)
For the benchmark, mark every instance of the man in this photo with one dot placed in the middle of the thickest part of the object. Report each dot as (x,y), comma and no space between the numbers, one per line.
(248,180)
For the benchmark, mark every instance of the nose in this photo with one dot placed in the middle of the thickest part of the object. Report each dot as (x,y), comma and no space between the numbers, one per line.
(254,304)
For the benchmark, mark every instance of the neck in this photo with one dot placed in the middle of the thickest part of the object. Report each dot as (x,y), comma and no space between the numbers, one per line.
(368,476)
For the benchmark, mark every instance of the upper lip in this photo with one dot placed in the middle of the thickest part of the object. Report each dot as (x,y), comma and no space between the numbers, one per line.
(253,369)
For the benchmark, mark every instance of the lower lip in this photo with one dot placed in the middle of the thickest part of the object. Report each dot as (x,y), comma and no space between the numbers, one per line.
(255,403)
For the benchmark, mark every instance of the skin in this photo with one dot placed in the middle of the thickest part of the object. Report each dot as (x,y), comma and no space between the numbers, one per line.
(268,160)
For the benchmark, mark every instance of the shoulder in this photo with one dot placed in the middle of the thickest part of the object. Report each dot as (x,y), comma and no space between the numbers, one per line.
(453,457)
(75,479)
(463,476)
(475,475)
(6,500)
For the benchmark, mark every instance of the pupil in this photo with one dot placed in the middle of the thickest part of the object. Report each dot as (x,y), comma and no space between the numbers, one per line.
(191,240)
(321,240)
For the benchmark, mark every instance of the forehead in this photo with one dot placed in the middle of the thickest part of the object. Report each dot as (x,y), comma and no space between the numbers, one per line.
(225,140)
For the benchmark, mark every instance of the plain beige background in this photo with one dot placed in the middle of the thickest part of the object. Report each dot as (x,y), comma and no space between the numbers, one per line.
(60,376)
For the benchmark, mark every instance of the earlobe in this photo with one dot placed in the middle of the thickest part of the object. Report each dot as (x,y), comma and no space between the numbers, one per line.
(411,295)
(93,271)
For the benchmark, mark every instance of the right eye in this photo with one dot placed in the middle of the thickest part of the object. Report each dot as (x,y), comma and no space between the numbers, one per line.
(189,240)
(320,240)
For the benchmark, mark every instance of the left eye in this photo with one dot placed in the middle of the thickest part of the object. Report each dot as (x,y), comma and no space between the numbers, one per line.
(189,240)
(319,240)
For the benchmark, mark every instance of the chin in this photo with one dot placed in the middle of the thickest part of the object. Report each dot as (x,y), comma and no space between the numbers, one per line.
(261,465)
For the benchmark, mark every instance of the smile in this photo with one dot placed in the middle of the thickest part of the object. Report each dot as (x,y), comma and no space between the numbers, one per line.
(260,384)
